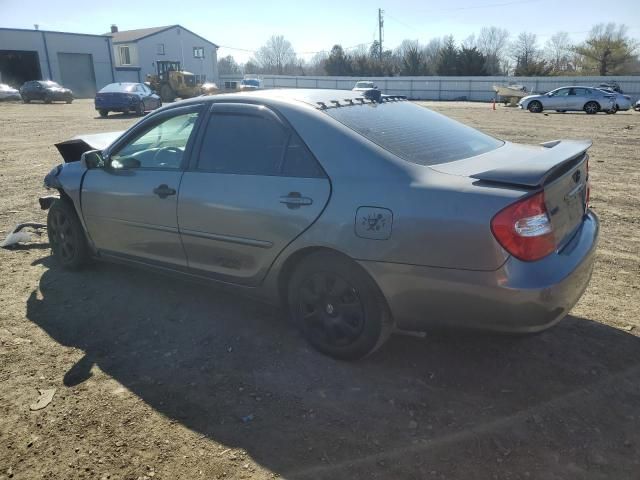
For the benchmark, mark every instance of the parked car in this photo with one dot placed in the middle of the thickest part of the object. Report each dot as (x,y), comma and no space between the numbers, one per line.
(45,90)
(359,215)
(587,99)
(250,84)
(363,86)
(622,102)
(636,107)
(8,93)
(126,98)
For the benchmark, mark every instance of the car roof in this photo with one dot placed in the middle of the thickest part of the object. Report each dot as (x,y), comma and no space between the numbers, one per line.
(317,98)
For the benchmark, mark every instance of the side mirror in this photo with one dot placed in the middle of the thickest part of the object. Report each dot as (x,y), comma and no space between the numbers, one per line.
(92,159)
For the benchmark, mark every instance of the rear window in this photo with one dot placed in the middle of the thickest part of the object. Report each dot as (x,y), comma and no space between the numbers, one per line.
(413,133)
(119,87)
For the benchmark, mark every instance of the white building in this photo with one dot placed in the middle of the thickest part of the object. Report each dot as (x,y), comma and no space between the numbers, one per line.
(136,53)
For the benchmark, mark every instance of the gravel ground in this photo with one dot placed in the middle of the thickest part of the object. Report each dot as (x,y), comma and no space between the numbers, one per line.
(160,378)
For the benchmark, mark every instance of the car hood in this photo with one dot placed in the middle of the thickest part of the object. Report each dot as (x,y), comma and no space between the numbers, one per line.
(530,97)
(72,149)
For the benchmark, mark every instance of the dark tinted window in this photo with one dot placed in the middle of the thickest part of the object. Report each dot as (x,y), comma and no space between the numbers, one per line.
(298,161)
(254,145)
(414,133)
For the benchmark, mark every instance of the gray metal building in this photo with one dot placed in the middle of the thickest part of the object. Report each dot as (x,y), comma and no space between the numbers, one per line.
(81,62)
(136,53)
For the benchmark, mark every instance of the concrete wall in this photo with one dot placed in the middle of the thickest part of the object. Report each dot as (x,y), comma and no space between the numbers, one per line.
(445,88)
(49,44)
(178,46)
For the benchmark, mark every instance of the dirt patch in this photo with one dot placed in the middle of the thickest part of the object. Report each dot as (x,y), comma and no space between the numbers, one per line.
(158,378)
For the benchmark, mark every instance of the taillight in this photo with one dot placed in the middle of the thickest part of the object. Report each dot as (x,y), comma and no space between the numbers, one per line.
(524,229)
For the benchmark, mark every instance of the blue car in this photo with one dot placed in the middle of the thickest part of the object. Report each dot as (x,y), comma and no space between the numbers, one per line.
(126,98)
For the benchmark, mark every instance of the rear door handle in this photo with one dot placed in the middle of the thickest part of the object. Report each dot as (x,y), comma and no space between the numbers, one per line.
(163,191)
(295,200)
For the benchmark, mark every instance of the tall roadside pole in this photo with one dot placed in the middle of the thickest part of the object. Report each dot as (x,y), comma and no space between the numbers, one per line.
(380,24)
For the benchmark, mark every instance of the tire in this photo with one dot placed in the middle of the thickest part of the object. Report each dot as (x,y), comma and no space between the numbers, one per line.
(139,109)
(535,107)
(103,113)
(338,307)
(166,93)
(47,99)
(561,111)
(66,236)
(26,100)
(614,110)
(69,100)
(591,108)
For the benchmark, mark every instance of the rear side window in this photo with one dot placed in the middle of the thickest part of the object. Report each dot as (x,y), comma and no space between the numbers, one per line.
(413,133)
(247,144)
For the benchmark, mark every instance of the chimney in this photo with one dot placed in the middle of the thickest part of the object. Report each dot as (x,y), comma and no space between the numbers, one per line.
(114,28)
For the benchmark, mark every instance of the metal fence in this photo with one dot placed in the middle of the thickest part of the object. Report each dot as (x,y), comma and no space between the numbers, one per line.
(444,88)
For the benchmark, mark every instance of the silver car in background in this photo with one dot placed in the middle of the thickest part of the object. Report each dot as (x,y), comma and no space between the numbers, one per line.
(571,99)
(357,215)
(9,93)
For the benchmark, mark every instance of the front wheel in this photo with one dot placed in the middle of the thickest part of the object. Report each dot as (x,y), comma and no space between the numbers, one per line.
(47,100)
(535,107)
(166,93)
(103,113)
(140,109)
(338,307)
(69,100)
(66,236)
(613,110)
(591,108)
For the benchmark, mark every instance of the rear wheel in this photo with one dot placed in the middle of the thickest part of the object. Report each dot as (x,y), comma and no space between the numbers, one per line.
(103,113)
(47,99)
(535,107)
(338,307)
(66,236)
(613,110)
(591,108)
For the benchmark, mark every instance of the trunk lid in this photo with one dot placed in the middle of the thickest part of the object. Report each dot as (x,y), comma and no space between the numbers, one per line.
(558,167)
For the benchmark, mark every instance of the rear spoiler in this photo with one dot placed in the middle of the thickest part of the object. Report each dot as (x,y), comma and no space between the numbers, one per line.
(72,149)
(541,168)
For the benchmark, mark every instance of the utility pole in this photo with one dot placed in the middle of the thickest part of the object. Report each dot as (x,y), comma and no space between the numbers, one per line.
(380,25)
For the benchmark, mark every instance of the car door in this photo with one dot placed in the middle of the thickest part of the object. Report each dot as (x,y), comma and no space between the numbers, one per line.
(558,100)
(578,97)
(252,188)
(129,206)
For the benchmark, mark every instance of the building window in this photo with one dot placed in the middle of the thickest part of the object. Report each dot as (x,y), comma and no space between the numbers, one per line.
(125,56)
(160,49)
(198,52)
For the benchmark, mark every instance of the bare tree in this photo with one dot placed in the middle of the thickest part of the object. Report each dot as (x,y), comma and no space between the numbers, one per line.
(492,43)
(315,66)
(276,56)
(410,58)
(608,49)
(558,52)
(431,55)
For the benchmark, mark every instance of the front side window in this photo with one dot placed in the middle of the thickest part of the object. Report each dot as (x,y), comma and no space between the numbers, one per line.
(247,144)
(563,92)
(198,52)
(125,56)
(160,146)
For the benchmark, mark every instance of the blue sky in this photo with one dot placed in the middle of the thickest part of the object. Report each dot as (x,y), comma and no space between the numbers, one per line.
(314,26)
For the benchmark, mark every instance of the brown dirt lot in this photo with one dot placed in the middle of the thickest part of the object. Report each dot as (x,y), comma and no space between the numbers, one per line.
(154,375)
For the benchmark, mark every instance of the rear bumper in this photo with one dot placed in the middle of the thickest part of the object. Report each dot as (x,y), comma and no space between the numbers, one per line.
(115,104)
(518,297)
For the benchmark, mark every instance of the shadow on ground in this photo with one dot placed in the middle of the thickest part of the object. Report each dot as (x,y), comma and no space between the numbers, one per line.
(562,404)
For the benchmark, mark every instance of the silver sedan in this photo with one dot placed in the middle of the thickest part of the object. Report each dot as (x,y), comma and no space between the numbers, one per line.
(358,215)
(565,99)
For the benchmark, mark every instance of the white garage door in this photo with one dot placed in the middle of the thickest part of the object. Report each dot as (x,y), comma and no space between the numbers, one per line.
(76,71)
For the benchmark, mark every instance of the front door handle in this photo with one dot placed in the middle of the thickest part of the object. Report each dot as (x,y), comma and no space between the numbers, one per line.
(295,200)
(163,191)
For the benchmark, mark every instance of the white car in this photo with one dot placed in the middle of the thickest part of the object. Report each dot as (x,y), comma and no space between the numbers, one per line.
(9,93)
(363,86)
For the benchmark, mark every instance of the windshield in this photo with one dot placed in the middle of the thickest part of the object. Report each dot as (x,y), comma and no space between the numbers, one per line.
(119,87)
(364,85)
(413,133)
(250,82)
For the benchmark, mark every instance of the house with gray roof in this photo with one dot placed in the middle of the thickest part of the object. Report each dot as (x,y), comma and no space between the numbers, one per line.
(137,53)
